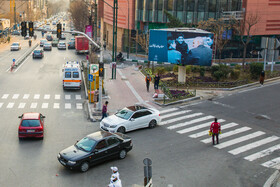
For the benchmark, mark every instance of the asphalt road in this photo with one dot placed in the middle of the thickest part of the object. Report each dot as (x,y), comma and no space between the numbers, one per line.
(179,159)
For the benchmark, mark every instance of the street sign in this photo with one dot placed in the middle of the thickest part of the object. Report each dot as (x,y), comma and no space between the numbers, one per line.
(90,77)
(14,60)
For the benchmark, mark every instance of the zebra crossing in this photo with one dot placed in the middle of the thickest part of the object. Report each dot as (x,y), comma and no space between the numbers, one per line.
(42,101)
(239,139)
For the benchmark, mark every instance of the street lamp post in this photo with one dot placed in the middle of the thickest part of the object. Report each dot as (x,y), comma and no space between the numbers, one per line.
(128,33)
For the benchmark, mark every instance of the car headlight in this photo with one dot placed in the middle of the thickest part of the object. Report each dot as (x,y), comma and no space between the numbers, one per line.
(113,126)
(58,156)
(71,162)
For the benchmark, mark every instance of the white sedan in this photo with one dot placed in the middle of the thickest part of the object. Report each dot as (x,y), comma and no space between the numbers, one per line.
(131,118)
(15,46)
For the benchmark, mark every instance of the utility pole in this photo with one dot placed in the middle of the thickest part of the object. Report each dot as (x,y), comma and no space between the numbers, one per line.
(95,21)
(128,32)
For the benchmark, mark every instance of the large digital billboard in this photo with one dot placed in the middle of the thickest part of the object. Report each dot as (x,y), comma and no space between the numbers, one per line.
(183,47)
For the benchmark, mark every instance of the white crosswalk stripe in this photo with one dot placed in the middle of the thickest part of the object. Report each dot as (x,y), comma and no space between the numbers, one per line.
(203,133)
(262,153)
(67,97)
(227,134)
(191,122)
(45,105)
(78,97)
(168,110)
(275,163)
(37,96)
(176,119)
(15,96)
(47,96)
(21,105)
(10,105)
(174,114)
(253,145)
(33,105)
(207,124)
(79,106)
(5,96)
(57,97)
(240,139)
(56,105)
(67,105)
(1,104)
(26,96)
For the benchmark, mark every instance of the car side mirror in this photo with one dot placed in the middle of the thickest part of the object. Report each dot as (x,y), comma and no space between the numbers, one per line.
(20,116)
(43,116)
(132,119)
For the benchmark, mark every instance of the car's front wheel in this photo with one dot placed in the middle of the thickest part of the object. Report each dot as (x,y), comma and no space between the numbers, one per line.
(121,130)
(84,166)
(152,124)
(122,154)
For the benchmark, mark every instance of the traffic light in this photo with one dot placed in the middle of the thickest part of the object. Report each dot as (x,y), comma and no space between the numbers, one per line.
(23,29)
(58,32)
(101,69)
(30,27)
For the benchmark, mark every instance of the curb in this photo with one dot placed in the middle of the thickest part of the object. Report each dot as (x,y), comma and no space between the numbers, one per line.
(272,180)
(25,55)
(180,101)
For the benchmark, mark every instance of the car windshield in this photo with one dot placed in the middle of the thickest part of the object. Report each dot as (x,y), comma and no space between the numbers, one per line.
(86,144)
(124,113)
(37,51)
(15,44)
(30,123)
(47,44)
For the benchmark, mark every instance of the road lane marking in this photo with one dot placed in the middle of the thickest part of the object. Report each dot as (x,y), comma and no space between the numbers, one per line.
(176,119)
(262,153)
(47,96)
(1,104)
(174,114)
(10,105)
(240,139)
(21,105)
(272,163)
(33,105)
(22,63)
(67,105)
(57,96)
(78,97)
(26,96)
(37,96)
(56,105)
(228,134)
(190,122)
(68,97)
(45,105)
(15,96)
(183,131)
(206,132)
(168,110)
(5,96)
(79,106)
(253,145)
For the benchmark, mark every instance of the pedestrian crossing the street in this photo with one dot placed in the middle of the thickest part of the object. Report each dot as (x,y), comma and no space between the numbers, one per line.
(41,101)
(236,138)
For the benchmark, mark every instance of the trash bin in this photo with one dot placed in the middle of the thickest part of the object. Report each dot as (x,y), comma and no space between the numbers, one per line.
(91,96)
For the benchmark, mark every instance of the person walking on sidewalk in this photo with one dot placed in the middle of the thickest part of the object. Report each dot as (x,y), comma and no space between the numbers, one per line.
(115,171)
(262,77)
(157,78)
(148,80)
(115,181)
(104,110)
(215,129)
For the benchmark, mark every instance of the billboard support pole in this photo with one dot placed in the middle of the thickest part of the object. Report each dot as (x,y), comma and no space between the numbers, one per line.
(181,74)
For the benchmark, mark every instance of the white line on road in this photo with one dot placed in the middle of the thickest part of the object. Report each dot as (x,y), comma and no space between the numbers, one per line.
(176,119)
(168,110)
(33,105)
(78,97)
(67,105)
(45,105)
(26,96)
(174,114)
(10,105)
(37,96)
(253,145)
(203,133)
(56,105)
(1,104)
(262,153)
(190,122)
(79,106)
(47,96)
(272,163)
(240,139)
(5,96)
(15,96)
(67,97)
(227,134)
(57,96)
(183,131)
(21,105)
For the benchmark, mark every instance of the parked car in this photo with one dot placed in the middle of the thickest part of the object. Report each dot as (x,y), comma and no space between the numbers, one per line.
(49,37)
(16,32)
(55,42)
(71,45)
(15,46)
(61,45)
(27,37)
(42,42)
(131,118)
(47,46)
(38,53)
(95,148)
(63,37)
(31,125)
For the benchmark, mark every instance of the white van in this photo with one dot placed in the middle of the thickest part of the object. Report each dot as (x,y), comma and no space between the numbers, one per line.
(72,76)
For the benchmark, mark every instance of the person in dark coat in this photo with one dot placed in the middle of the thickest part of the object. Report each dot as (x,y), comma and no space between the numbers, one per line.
(262,77)
(182,47)
(215,129)
(104,110)
(148,79)
(157,78)
(200,54)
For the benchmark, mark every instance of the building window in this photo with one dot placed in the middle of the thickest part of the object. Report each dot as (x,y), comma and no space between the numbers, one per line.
(190,5)
(235,5)
(189,17)
(170,5)
(224,5)
(140,4)
(201,6)
(212,5)
(180,5)
(159,5)
(200,16)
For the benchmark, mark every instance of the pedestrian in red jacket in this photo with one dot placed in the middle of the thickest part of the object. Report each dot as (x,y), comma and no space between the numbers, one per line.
(215,129)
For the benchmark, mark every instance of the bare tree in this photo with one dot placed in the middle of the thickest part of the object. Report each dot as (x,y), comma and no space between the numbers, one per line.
(245,28)
(218,27)
(80,14)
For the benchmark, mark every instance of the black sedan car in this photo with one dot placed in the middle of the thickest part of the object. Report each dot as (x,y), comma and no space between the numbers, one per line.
(71,45)
(95,148)
(38,53)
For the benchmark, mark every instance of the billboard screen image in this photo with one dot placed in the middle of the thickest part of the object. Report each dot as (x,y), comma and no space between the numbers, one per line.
(180,47)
